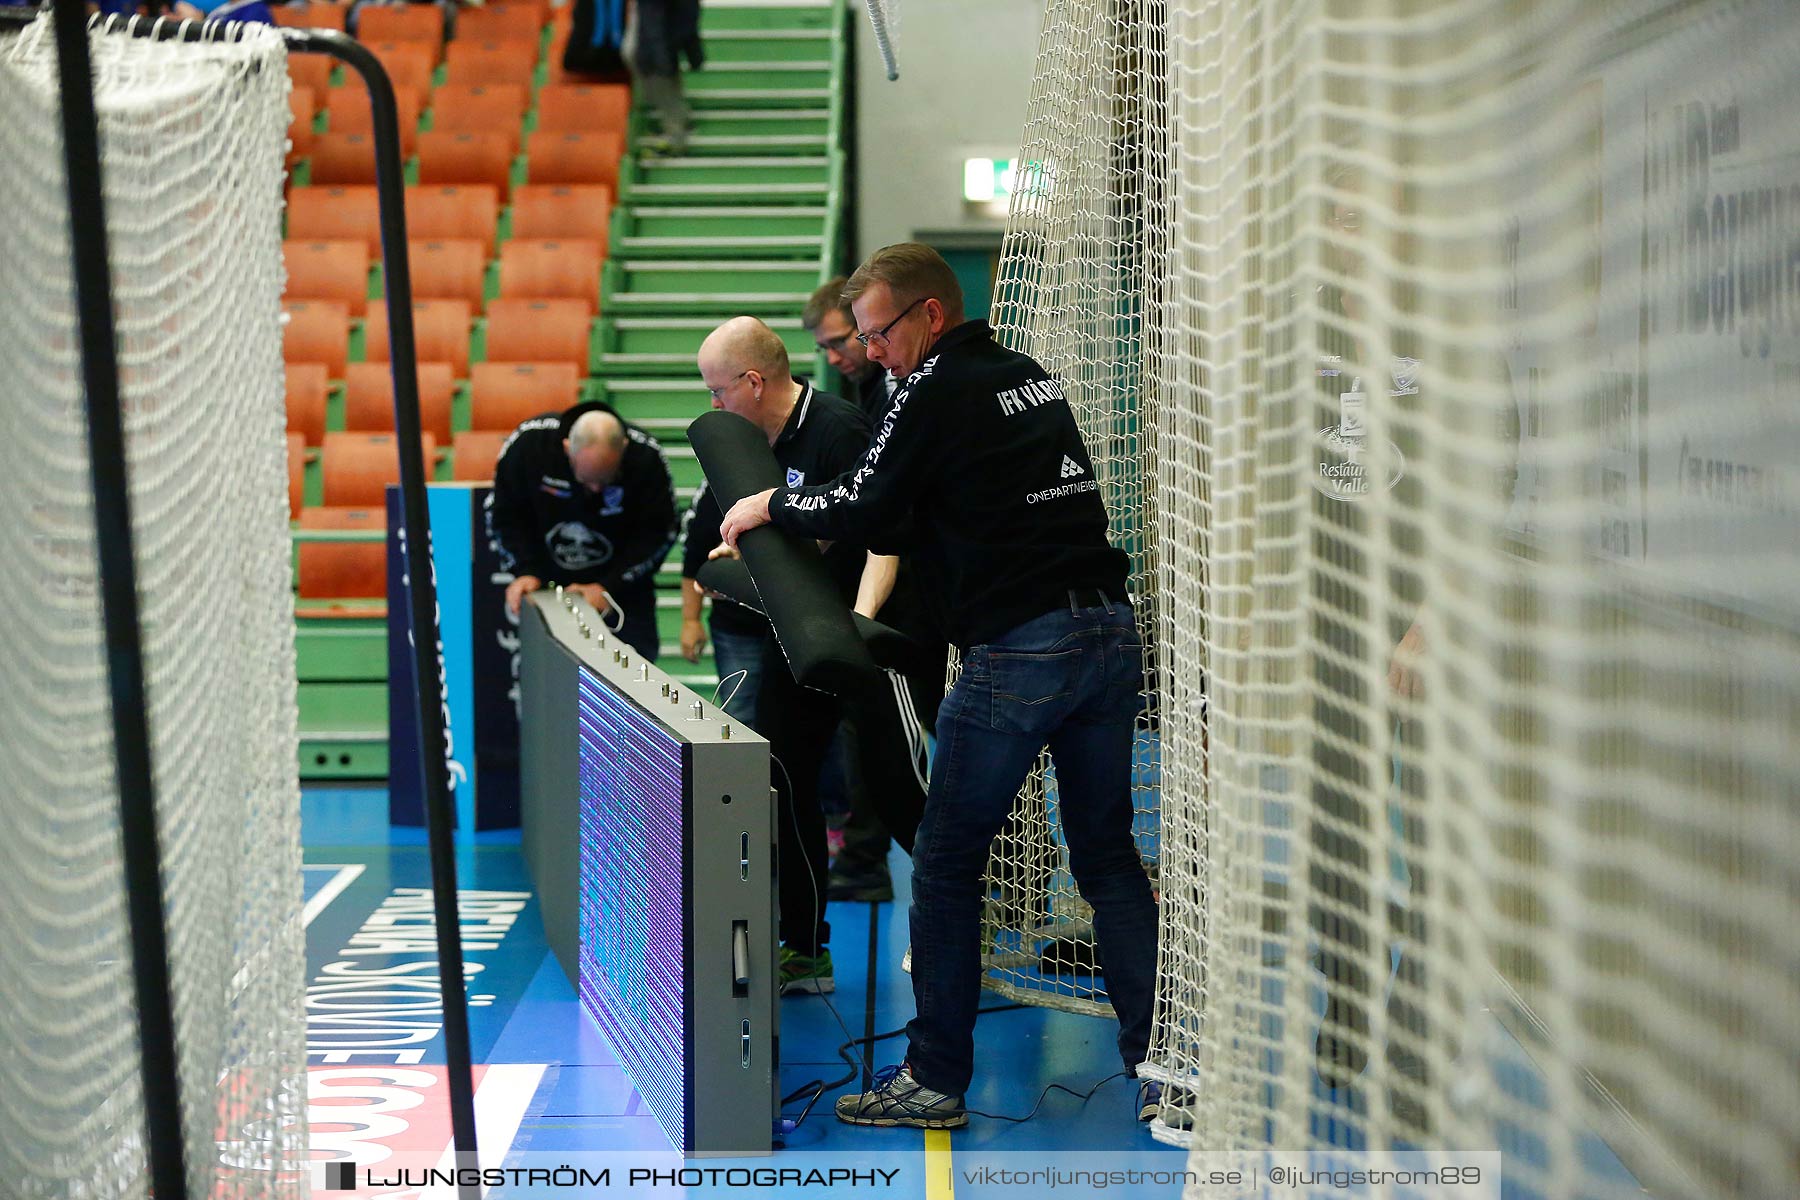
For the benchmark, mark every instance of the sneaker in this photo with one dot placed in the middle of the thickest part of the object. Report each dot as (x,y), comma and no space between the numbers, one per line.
(870,887)
(801,975)
(1172,1104)
(899,1099)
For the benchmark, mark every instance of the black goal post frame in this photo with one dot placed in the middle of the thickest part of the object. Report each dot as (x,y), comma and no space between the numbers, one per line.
(118,579)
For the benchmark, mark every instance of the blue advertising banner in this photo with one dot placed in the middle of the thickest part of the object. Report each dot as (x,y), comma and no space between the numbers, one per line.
(478,663)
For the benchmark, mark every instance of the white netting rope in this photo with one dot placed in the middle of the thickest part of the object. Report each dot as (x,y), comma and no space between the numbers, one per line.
(1081,265)
(1466,386)
(192,142)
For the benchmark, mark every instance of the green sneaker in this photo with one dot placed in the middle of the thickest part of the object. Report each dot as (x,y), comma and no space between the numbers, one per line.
(801,975)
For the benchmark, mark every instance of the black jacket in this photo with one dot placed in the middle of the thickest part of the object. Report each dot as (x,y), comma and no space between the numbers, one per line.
(824,436)
(980,448)
(872,394)
(548,525)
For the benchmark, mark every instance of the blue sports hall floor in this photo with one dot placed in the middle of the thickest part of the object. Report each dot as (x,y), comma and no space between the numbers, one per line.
(550,1089)
(552,1097)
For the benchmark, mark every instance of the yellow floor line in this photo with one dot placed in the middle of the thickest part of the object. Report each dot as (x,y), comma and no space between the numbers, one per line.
(938,1183)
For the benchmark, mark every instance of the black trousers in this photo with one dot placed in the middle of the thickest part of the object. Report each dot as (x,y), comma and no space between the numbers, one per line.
(866,838)
(799,724)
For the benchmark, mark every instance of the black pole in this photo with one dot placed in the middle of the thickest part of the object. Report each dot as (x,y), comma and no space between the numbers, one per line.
(119,606)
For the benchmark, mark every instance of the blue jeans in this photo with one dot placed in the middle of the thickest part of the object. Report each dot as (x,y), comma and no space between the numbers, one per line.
(1069,680)
(734,652)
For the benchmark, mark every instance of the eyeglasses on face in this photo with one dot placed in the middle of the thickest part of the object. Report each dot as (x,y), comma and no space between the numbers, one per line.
(880,336)
(716,392)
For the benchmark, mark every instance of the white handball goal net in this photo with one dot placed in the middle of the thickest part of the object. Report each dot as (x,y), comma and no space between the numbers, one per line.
(1445,357)
(1079,272)
(192,139)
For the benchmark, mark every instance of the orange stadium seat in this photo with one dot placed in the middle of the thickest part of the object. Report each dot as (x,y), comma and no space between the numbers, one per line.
(449,212)
(355,468)
(311,72)
(479,108)
(350,113)
(296,456)
(562,210)
(503,394)
(335,214)
(369,398)
(477,62)
(422,23)
(317,15)
(560,28)
(538,331)
(343,570)
(474,453)
(500,23)
(440,333)
(461,158)
(584,107)
(408,64)
(551,270)
(317,331)
(454,269)
(329,270)
(307,384)
(574,158)
(343,158)
(301,108)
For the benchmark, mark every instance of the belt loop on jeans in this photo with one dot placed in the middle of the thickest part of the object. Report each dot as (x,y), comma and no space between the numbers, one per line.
(1080,598)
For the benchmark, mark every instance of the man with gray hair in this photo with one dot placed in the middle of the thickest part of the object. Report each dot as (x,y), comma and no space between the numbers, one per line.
(585,500)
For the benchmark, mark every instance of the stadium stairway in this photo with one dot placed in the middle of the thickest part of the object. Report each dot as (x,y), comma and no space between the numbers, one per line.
(744,220)
(527,294)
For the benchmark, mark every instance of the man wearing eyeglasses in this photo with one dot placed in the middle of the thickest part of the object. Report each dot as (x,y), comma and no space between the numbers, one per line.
(827,317)
(980,449)
(814,435)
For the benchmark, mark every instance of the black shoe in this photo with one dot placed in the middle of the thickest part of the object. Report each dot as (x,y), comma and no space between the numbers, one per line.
(866,886)
(1174,1105)
(899,1099)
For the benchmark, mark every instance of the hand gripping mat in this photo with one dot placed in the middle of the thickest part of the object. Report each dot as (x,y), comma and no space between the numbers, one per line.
(811,624)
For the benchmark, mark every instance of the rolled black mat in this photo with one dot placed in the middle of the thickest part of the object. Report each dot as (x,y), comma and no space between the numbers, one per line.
(891,649)
(811,623)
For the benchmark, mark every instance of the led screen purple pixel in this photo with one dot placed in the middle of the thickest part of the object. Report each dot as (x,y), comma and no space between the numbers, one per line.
(633,918)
